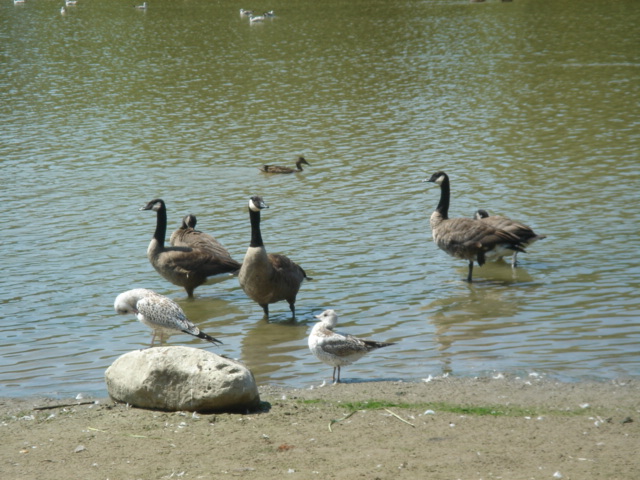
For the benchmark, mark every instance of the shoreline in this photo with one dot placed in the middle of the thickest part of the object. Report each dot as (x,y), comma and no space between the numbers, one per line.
(486,376)
(447,428)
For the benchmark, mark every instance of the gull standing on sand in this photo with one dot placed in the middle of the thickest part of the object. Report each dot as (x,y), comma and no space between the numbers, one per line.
(337,349)
(160,313)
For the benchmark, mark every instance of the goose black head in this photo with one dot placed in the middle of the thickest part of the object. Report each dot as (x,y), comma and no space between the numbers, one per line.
(437,178)
(480,214)
(155,205)
(256,203)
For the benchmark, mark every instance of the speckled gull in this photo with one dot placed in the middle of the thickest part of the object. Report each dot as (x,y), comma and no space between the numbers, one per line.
(338,349)
(161,314)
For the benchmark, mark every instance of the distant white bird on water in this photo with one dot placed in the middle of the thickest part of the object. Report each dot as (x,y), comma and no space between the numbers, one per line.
(338,349)
(161,314)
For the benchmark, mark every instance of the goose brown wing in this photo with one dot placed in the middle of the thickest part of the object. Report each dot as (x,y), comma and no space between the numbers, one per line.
(283,264)
(466,232)
(178,236)
(200,241)
(202,262)
(522,231)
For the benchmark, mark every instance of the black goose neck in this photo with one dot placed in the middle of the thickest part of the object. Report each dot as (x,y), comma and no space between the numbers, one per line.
(445,195)
(256,235)
(161,225)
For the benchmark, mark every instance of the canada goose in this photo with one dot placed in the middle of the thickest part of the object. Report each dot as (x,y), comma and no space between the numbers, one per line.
(268,278)
(524,232)
(338,349)
(161,314)
(277,169)
(188,236)
(183,266)
(466,238)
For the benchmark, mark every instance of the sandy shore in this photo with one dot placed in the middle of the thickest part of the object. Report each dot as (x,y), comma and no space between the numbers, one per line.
(443,429)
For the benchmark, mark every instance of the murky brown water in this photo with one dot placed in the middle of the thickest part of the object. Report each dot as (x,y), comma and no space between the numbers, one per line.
(530,106)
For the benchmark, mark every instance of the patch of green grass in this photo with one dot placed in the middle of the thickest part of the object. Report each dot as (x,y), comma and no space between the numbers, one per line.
(471,410)
(312,402)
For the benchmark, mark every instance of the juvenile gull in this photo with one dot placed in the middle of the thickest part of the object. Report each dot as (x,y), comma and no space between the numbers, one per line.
(161,314)
(337,349)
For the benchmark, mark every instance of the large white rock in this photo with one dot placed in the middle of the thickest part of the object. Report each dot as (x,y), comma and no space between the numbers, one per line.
(181,379)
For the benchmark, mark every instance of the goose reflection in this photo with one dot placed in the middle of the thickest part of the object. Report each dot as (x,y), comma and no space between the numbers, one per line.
(494,274)
(216,314)
(472,324)
(270,347)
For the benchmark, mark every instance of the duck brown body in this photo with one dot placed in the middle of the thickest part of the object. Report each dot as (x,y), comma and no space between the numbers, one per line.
(279,169)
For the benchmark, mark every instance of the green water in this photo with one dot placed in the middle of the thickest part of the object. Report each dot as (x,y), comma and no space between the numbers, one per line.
(530,106)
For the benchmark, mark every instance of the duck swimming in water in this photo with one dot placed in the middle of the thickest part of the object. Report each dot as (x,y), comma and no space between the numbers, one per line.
(278,169)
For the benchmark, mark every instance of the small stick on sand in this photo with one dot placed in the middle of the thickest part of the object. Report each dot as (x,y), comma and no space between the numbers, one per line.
(399,418)
(340,419)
